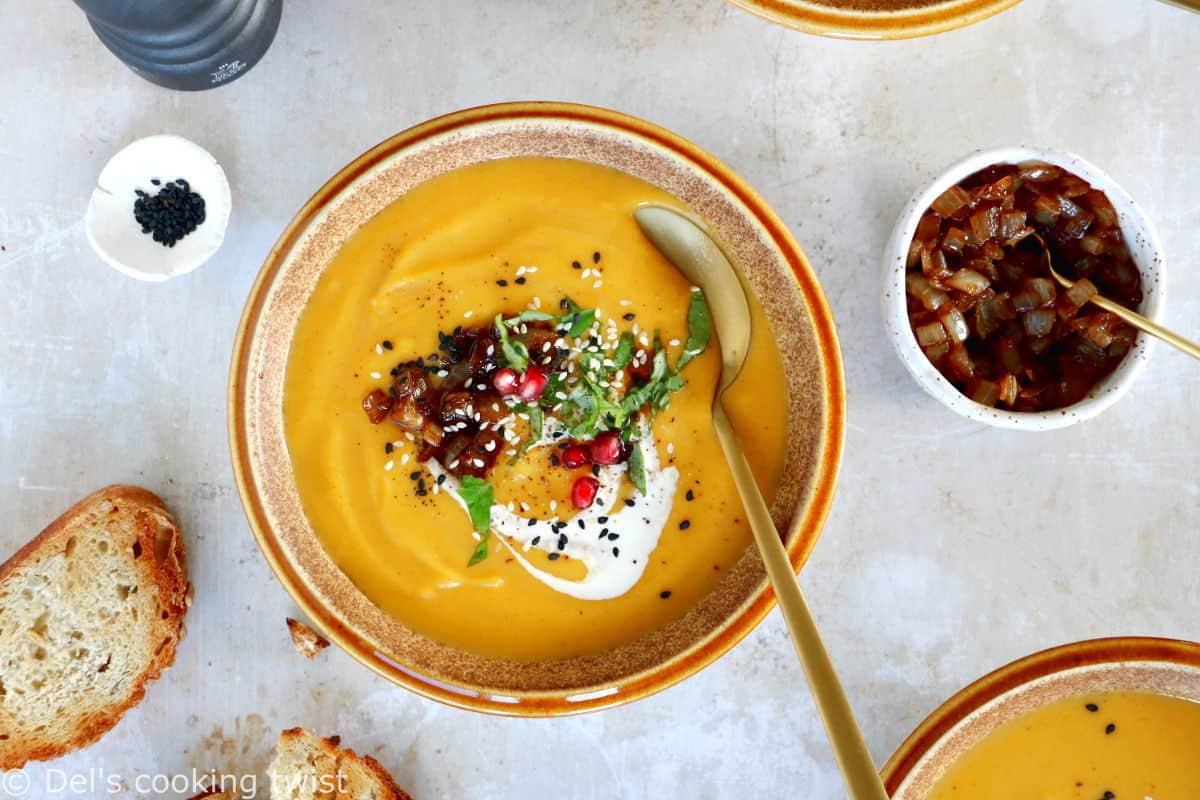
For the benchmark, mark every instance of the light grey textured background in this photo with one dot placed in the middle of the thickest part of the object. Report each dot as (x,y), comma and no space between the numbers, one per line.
(951,549)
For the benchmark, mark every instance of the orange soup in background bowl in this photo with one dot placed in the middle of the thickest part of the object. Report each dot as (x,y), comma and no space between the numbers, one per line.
(469,411)
(1105,719)
(874,19)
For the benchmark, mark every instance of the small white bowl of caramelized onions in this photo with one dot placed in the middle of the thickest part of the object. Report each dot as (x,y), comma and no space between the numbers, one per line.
(977,318)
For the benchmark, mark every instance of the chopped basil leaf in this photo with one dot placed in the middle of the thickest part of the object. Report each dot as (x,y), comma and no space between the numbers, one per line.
(699,329)
(577,323)
(623,355)
(478,495)
(637,467)
(516,355)
(529,316)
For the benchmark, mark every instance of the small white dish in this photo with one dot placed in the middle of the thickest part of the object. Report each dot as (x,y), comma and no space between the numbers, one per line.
(117,237)
(1143,244)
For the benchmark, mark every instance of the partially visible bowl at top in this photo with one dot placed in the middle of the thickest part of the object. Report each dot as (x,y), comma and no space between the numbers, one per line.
(874,19)
(1140,238)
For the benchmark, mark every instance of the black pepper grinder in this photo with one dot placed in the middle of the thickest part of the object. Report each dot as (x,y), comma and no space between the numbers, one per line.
(186,44)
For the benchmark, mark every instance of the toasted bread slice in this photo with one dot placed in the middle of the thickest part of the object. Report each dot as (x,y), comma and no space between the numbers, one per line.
(90,611)
(308,768)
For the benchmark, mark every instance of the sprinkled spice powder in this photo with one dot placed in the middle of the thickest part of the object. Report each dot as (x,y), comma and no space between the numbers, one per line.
(171,213)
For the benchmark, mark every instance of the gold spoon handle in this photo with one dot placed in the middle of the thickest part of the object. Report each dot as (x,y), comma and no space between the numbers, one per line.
(1149,326)
(1190,5)
(858,769)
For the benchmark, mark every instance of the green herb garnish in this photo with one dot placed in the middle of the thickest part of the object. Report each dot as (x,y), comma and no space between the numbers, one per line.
(516,355)
(478,495)
(577,323)
(623,355)
(699,329)
(637,466)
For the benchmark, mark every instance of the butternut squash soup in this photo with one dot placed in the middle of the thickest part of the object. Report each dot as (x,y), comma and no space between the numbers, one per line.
(1119,746)
(497,405)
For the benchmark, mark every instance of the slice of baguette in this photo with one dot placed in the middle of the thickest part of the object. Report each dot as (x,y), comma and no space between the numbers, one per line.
(308,768)
(90,611)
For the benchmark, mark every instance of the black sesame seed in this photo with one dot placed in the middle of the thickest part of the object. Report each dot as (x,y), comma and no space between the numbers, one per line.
(629,502)
(535,539)
(422,492)
(595,470)
(421,484)
(387,344)
(502,282)
(630,316)
(562,541)
(1092,707)
(412,476)
(602,520)
(616,552)
(554,556)
(576,265)
(388,448)
(554,460)
(1109,795)
(531,523)
(521,281)
(596,257)
(612,537)
(665,594)
(170,214)
(580,523)
(1109,728)
(683,526)
(603,532)
(690,496)
(441,479)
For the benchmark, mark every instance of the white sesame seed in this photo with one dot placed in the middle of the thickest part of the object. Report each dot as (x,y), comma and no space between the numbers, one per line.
(469,314)
(477,462)
(410,437)
(490,446)
(626,303)
(511,507)
(553,505)
(674,343)
(388,466)
(475,536)
(597,284)
(531,269)
(376,375)
(671,448)
(378,349)
(452,464)
(521,270)
(491,349)
(587,273)
(441,373)
(404,459)
(524,506)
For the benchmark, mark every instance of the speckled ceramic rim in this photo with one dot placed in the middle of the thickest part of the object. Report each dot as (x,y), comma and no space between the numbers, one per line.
(587,124)
(813,17)
(1144,246)
(1131,664)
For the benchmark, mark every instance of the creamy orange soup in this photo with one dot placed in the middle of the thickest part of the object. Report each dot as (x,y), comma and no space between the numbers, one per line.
(1108,747)
(504,237)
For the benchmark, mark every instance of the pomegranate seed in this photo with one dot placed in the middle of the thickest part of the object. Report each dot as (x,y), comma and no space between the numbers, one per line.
(532,384)
(575,456)
(583,491)
(505,380)
(607,448)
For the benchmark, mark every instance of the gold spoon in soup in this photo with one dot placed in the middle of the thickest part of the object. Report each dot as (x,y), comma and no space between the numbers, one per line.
(697,256)
(1080,292)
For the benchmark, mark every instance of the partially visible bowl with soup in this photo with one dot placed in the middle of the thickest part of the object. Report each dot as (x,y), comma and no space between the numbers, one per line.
(874,19)
(1104,719)
(974,311)
(470,411)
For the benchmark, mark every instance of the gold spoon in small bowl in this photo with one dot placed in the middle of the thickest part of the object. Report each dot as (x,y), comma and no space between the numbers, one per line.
(697,256)
(1116,309)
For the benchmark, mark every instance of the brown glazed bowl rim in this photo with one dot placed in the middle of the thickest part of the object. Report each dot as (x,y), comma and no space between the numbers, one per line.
(811,17)
(1088,658)
(807,520)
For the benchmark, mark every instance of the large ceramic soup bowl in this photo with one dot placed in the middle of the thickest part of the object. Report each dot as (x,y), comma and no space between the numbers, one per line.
(1105,718)
(874,19)
(394,378)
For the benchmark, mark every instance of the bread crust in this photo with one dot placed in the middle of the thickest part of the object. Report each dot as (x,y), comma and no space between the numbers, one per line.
(331,748)
(168,573)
